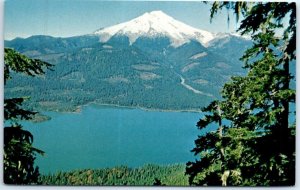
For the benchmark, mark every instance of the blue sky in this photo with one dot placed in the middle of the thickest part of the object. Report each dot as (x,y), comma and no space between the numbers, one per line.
(62,18)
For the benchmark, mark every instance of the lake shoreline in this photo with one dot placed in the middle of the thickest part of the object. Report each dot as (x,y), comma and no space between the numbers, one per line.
(79,108)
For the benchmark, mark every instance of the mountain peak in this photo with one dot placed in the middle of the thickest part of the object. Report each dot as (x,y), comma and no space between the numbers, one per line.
(156,24)
(158,13)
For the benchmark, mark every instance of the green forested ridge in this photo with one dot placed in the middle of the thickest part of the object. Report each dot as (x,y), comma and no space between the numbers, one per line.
(172,175)
(146,74)
(254,144)
(39,45)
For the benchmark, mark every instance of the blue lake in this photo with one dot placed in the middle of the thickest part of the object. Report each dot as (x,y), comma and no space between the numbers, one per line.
(101,136)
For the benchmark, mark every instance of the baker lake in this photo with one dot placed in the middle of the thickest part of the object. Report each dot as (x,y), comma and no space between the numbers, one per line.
(103,136)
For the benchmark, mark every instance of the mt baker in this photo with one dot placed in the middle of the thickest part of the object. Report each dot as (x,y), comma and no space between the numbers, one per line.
(156,24)
(152,61)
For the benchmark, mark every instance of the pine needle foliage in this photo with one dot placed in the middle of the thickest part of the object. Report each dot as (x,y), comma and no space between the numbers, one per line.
(19,154)
(254,144)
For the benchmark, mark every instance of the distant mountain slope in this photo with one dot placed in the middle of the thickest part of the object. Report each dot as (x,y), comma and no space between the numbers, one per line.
(152,61)
(44,45)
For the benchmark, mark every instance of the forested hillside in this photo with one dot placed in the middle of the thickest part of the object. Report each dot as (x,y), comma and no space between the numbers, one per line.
(172,175)
(149,73)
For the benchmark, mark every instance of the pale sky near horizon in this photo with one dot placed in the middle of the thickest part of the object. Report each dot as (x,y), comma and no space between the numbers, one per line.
(64,18)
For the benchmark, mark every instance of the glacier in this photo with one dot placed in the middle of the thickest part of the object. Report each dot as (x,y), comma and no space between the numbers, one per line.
(156,24)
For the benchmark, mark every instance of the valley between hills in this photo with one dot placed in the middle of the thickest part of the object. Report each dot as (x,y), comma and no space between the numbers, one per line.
(151,71)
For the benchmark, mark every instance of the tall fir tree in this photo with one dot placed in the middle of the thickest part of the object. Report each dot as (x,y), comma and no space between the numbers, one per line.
(255,141)
(19,154)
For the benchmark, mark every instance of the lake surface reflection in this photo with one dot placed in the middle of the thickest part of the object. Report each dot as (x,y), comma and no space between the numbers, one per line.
(101,136)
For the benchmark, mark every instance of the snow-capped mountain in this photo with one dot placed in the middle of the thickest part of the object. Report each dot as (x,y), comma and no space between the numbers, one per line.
(142,62)
(156,24)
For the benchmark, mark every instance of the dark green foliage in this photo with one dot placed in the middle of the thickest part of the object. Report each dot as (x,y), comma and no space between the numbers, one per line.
(147,175)
(17,62)
(255,141)
(157,182)
(13,110)
(145,74)
(19,154)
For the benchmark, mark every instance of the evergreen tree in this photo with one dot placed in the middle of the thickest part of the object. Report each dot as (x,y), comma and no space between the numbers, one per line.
(19,154)
(255,141)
